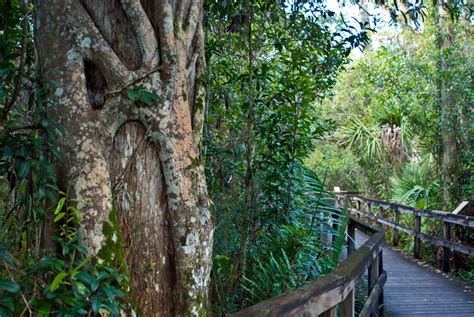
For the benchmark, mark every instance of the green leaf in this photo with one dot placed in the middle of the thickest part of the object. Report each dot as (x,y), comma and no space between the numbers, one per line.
(83,262)
(44,310)
(85,277)
(133,94)
(5,256)
(24,169)
(59,216)
(148,97)
(4,312)
(9,286)
(96,303)
(57,281)
(8,302)
(44,122)
(60,205)
(7,152)
(51,196)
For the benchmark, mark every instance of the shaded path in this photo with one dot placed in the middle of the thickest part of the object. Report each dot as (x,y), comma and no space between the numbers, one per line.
(413,290)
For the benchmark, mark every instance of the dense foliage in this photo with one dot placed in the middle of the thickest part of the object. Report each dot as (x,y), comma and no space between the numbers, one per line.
(404,117)
(387,107)
(287,119)
(273,215)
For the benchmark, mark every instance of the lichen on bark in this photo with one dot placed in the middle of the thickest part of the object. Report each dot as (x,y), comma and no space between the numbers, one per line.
(160,225)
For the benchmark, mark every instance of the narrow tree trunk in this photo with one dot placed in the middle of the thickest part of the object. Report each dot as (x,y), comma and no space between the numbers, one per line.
(249,181)
(448,124)
(136,169)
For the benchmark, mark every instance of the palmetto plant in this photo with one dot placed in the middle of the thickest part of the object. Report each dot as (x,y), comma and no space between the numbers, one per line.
(303,245)
(386,135)
(363,138)
(416,185)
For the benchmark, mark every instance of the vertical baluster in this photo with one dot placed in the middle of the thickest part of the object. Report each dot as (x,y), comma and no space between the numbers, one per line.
(381,304)
(351,237)
(347,306)
(350,229)
(373,276)
(335,227)
(369,211)
(381,214)
(416,247)
(446,250)
(395,231)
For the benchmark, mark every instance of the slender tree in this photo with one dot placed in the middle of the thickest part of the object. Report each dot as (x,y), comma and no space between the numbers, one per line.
(128,79)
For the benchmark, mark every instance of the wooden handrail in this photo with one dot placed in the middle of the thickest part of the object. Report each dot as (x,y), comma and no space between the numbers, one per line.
(448,219)
(462,220)
(336,289)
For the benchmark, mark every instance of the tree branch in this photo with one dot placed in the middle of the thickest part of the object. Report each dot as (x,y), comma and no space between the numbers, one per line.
(133,82)
(144,31)
(96,48)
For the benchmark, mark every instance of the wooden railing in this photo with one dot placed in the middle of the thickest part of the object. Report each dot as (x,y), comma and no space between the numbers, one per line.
(334,294)
(381,216)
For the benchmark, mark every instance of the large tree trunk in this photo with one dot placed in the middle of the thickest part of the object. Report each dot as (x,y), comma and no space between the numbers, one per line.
(136,169)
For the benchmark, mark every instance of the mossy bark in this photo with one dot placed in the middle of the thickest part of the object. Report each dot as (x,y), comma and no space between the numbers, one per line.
(145,158)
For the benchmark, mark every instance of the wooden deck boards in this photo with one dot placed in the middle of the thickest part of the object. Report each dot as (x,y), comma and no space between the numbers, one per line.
(413,290)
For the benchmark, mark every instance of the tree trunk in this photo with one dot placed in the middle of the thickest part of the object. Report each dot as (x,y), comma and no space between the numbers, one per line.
(448,115)
(136,169)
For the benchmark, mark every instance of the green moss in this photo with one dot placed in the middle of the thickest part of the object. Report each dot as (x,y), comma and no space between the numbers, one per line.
(202,311)
(113,253)
(195,162)
(202,80)
(199,104)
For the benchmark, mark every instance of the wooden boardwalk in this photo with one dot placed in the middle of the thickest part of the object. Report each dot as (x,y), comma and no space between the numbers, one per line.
(414,290)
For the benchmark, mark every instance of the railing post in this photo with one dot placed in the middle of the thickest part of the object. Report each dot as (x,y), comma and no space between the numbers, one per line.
(351,238)
(381,303)
(395,231)
(373,274)
(350,229)
(381,214)
(335,227)
(358,207)
(416,247)
(446,250)
(346,308)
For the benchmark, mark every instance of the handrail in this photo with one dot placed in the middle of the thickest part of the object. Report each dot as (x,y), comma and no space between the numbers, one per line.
(462,220)
(336,289)
(379,216)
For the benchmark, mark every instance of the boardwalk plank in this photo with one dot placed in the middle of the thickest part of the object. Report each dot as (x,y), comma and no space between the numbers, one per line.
(414,290)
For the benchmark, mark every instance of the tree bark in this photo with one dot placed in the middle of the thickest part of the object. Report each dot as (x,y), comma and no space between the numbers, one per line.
(448,115)
(137,170)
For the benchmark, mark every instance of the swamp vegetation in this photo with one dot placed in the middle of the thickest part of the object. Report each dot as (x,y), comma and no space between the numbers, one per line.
(169,158)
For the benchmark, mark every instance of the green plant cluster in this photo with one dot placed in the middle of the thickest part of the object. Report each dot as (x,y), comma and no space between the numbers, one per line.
(65,283)
(274,216)
(397,86)
(394,108)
